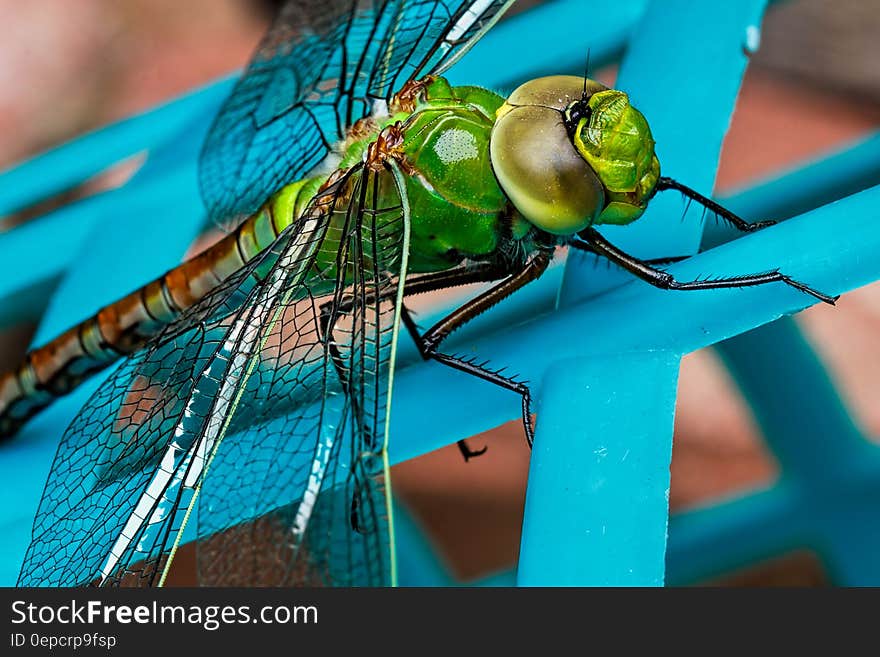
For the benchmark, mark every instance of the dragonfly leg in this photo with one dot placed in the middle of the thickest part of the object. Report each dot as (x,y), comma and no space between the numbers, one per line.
(429,342)
(666,281)
(664,183)
(586,248)
(417,285)
(481,273)
(466,451)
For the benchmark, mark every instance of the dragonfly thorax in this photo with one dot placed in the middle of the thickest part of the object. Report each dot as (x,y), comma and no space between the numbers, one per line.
(458,210)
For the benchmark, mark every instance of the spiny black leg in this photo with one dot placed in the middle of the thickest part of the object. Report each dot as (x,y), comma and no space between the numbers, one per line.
(586,248)
(429,343)
(413,331)
(666,281)
(664,183)
(531,271)
(480,273)
(443,280)
(480,370)
(671,260)
(417,285)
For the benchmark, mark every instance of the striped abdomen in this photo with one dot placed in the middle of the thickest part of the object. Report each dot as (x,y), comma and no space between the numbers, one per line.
(124,326)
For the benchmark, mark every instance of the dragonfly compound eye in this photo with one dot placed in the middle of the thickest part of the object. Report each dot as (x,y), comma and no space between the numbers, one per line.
(535,161)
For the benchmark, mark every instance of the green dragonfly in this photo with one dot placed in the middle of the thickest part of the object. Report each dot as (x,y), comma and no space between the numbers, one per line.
(253,399)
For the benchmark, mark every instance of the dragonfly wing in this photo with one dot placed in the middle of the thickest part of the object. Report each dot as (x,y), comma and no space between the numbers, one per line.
(121,481)
(128,469)
(319,69)
(432,37)
(299,497)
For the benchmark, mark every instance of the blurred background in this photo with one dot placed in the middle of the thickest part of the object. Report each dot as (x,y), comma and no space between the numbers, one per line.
(67,66)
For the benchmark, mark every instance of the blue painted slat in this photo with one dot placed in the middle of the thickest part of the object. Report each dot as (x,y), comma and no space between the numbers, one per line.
(709,54)
(727,536)
(804,421)
(70,164)
(598,460)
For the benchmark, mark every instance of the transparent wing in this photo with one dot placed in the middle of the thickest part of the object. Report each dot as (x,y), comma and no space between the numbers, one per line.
(319,69)
(315,511)
(242,387)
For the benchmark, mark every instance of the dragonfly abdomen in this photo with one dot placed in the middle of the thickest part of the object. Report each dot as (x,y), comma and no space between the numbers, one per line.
(58,367)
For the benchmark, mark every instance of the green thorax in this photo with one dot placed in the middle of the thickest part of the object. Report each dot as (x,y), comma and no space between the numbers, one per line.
(456,207)
(455,201)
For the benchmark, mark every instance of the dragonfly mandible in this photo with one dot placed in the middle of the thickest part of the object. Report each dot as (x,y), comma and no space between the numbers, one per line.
(254,394)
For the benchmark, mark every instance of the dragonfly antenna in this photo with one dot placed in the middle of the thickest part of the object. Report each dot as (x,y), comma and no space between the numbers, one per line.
(586,73)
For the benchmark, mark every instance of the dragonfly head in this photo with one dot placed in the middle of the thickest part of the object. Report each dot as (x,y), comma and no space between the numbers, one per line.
(569,153)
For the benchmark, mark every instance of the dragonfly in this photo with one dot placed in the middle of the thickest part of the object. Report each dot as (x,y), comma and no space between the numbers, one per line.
(251,393)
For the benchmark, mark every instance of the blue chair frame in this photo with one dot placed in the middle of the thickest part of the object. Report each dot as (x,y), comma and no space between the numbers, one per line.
(602,351)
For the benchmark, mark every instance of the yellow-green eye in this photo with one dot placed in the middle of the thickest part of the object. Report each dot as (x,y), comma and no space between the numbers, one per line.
(554,91)
(541,172)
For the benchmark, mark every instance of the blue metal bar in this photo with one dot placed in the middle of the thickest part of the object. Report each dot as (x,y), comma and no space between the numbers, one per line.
(552,38)
(562,544)
(795,404)
(598,491)
(722,538)
(72,163)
